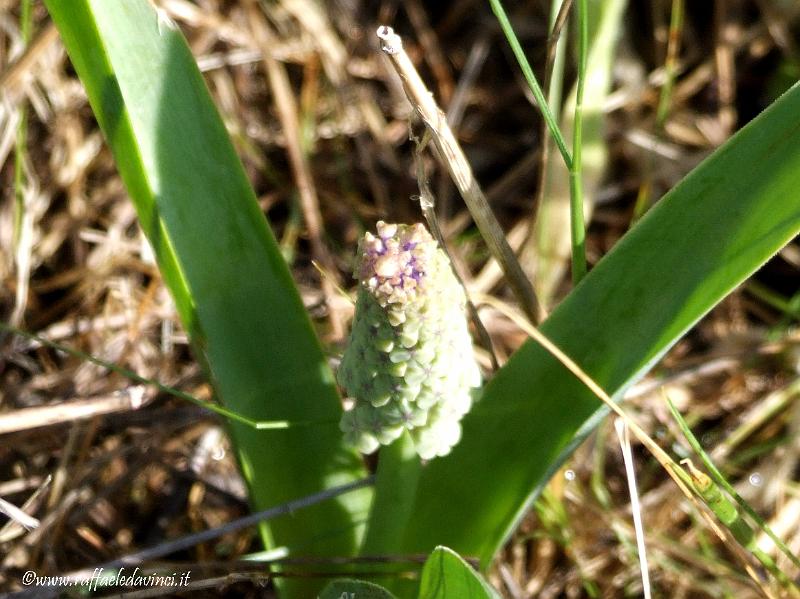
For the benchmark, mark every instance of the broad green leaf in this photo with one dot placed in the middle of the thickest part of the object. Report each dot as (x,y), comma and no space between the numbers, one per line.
(220,260)
(446,575)
(354,589)
(724,220)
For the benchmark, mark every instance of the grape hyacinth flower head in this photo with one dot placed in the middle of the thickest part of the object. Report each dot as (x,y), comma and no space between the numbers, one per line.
(409,364)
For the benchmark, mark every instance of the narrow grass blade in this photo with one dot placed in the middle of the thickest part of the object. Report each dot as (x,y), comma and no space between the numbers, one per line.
(530,77)
(549,245)
(671,63)
(577,226)
(719,479)
(220,260)
(728,513)
(132,376)
(703,239)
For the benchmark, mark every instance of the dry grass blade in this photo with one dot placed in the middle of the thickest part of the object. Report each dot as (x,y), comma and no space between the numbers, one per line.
(20,522)
(674,470)
(434,54)
(290,122)
(553,39)
(667,462)
(472,68)
(427,203)
(455,161)
(71,410)
(636,509)
(13,77)
(17,515)
(555,46)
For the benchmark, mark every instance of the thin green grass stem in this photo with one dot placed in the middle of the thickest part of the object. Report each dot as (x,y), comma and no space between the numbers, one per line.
(720,480)
(790,307)
(533,83)
(136,378)
(727,513)
(577,225)
(671,62)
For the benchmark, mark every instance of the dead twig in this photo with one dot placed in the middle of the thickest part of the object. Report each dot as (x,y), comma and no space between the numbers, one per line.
(455,161)
(71,410)
(427,202)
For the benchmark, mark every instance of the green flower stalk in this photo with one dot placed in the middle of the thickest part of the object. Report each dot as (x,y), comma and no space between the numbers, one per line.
(410,363)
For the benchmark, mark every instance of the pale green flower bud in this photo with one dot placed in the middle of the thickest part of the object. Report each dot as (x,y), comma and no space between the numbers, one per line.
(410,363)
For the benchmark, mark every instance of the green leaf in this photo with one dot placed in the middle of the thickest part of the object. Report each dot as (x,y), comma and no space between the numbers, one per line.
(729,216)
(446,575)
(348,588)
(395,487)
(220,260)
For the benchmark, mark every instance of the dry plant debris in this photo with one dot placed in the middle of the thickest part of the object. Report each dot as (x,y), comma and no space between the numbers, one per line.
(108,467)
